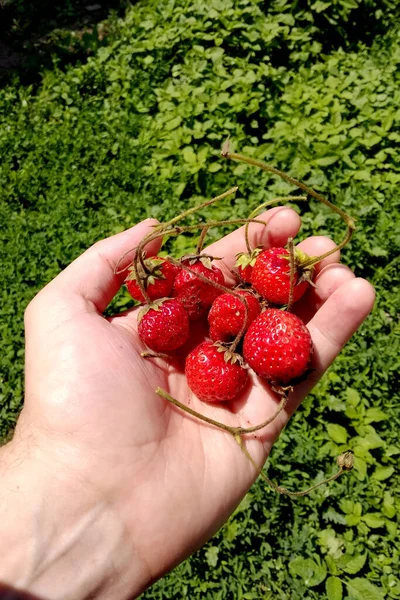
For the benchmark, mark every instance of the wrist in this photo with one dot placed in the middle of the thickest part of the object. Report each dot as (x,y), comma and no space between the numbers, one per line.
(64,542)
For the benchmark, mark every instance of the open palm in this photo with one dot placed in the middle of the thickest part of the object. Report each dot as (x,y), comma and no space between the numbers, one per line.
(91,402)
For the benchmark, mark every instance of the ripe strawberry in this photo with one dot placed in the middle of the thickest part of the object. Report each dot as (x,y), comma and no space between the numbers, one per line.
(158,281)
(214,374)
(228,313)
(278,346)
(245,262)
(196,295)
(271,276)
(164,325)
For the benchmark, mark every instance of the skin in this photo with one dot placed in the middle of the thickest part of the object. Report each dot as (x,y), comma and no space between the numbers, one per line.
(101,472)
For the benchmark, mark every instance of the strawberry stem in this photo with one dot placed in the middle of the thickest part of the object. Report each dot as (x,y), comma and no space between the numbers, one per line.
(200,206)
(278,488)
(234,431)
(268,168)
(255,212)
(200,243)
(292,272)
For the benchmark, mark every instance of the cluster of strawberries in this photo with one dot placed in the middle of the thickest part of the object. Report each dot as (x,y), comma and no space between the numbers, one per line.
(247,325)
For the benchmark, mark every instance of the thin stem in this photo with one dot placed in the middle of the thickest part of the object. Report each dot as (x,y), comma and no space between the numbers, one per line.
(240,333)
(313,260)
(200,206)
(235,431)
(278,488)
(200,243)
(232,430)
(139,281)
(203,278)
(285,492)
(292,272)
(150,237)
(118,271)
(157,355)
(268,168)
(279,409)
(261,207)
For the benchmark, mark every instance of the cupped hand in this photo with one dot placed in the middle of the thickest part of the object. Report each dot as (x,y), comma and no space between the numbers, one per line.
(92,414)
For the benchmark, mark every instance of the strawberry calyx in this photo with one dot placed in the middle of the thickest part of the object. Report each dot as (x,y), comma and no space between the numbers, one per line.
(151,274)
(204,259)
(229,356)
(247,259)
(304,270)
(155,305)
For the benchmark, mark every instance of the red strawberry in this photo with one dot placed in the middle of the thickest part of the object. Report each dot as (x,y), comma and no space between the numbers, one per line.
(228,313)
(164,325)
(158,281)
(214,374)
(278,346)
(245,262)
(271,276)
(197,295)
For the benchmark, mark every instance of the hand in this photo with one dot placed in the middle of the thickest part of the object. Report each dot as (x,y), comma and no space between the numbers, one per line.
(101,442)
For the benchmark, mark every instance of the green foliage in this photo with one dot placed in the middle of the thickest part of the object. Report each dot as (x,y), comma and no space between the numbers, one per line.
(136,131)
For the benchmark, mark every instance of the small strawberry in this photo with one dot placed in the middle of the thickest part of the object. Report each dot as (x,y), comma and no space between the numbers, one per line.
(157,280)
(214,374)
(245,262)
(227,315)
(271,276)
(278,346)
(164,325)
(197,295)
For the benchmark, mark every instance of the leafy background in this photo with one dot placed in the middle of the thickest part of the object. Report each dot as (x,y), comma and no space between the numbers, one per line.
(105,122)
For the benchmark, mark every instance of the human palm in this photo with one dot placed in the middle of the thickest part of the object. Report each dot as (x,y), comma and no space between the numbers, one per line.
(91,401)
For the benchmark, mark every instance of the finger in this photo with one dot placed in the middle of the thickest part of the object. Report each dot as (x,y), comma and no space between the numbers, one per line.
(318,245)
(332,327)
(326,282)
(281,223)
(92,277)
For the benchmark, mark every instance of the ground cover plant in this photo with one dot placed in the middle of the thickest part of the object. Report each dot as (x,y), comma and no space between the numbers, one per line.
(136,131)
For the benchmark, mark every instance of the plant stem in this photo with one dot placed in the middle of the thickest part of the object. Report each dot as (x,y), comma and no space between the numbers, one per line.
(292,272)
(269,169)
(261,207)
(278,488)
(200,243)
(200,206)
(234,431)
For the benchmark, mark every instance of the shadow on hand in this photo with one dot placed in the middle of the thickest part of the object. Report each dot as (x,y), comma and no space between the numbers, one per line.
(9,593)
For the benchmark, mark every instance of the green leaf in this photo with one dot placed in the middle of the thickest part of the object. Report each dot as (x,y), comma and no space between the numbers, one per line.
(360,468)
(374,415)
(212,556)
(325,161)
(355,564)
(353,397)
(373,520)
(362,589)
(214,167)
(173,123)
(334,588)
(337,433)
(189,155)
(382,473)
(388,508)
(311,573)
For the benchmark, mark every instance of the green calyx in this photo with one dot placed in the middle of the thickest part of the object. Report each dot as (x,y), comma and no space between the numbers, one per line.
(302,265)
(245,259)
(155,305)
(229,356)
(150,274)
